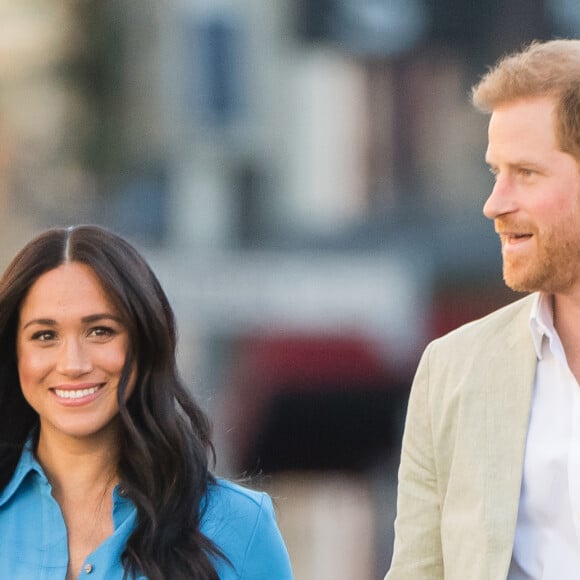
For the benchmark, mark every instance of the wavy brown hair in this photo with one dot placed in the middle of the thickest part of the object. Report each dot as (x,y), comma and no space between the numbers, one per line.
(165,444)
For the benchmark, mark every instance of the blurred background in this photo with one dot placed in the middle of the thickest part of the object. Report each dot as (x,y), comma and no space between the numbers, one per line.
(306,178)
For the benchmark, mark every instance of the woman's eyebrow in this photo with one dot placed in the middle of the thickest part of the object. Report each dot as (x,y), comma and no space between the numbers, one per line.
(41,321)
(101,316)
(85,319)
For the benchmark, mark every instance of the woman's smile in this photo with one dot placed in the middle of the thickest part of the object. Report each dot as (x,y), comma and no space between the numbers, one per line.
(80,394)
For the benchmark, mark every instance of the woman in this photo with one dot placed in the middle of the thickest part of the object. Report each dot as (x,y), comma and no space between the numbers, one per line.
(103,453)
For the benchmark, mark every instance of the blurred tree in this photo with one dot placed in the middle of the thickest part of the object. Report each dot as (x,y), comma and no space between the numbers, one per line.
(98,72)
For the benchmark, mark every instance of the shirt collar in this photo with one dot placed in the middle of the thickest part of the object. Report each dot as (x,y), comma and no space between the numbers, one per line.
(26,464)
(123,507)
(542,321)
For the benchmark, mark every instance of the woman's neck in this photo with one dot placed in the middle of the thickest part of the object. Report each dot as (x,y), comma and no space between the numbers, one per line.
(78,466)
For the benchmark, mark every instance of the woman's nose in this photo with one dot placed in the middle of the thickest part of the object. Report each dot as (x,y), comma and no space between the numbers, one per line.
(73,358)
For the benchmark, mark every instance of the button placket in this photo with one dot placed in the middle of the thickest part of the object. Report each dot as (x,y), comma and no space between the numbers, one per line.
(574,463)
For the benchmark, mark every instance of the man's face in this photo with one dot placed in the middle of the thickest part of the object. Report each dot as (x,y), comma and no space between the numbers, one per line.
(535,202)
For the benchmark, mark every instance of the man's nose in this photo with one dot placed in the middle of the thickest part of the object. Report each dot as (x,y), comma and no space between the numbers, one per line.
(501,200)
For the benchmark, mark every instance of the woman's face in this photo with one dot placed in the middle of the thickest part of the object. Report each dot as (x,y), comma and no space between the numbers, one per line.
(71,345)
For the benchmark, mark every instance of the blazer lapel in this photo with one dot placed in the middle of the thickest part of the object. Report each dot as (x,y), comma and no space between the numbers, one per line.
(508,398)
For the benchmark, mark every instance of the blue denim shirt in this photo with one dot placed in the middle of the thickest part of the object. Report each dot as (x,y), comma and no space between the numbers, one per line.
(33,538)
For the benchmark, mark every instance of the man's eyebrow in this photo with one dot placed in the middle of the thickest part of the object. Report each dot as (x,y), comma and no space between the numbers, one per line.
(520,162)
(84,320)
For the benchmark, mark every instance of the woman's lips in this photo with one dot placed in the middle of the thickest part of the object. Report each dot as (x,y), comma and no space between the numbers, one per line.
(77,393)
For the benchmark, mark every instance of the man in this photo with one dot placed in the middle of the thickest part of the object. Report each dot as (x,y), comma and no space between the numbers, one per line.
(489,482)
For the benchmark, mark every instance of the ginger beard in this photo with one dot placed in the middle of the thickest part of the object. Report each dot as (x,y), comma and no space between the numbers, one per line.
(553,265)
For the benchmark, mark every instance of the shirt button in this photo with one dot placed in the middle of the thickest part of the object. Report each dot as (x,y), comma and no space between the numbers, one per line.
(122,492)
(88,568)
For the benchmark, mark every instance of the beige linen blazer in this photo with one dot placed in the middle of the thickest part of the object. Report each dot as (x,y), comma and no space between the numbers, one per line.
(463,451)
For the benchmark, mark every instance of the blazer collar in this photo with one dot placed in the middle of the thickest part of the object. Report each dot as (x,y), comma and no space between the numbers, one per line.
(509,389)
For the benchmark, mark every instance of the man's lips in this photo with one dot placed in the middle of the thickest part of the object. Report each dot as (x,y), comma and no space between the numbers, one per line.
(514,237)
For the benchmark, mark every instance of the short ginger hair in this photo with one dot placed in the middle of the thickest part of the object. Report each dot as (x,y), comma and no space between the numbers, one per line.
(542,69)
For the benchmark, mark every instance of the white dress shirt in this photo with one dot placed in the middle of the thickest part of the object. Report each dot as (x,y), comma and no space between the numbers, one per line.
(547,539)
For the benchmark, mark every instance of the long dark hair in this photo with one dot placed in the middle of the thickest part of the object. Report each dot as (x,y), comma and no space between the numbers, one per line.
(165,443)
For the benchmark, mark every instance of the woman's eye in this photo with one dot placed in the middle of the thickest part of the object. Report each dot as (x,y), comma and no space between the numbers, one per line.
(101,332)
(43,335)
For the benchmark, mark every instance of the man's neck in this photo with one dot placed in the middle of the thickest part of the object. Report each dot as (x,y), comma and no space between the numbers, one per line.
(566,309)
